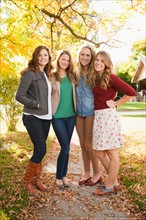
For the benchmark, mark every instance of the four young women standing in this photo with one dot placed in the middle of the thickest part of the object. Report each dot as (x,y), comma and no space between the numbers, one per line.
(96,89)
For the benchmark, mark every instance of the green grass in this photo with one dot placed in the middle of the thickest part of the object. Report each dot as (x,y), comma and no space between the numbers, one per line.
(133,106)
(135,116)
(13,162)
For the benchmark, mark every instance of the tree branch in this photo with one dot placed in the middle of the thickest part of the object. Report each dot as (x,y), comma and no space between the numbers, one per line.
(69,28)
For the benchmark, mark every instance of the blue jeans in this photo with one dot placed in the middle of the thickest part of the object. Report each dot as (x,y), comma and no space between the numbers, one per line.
(38,130)
(63,128)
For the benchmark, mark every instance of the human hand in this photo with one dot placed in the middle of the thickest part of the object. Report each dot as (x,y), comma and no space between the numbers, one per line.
(111,104)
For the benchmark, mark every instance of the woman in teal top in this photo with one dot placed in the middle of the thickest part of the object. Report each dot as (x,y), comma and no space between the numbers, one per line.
(63,107)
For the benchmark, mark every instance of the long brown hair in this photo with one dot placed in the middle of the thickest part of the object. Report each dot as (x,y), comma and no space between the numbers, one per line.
(33,63)
(103,80)
(70,68)
(80,67)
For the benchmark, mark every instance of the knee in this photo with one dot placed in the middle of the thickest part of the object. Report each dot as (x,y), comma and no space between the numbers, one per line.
(38,155)
(88,147)
(99,154)
(65,151)
(42,153)
(113,154)
(82,144)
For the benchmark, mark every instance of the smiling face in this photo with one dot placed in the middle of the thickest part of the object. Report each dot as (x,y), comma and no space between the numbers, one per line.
(43,59)
(64,61)
(85,57)
(99,64)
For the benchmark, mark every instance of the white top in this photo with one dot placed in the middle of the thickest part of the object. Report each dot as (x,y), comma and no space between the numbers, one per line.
(49,115)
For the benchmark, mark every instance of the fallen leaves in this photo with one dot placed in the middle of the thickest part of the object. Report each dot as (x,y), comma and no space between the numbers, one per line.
(76,202)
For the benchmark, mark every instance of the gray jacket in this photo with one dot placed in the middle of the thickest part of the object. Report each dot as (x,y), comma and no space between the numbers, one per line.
(33,93)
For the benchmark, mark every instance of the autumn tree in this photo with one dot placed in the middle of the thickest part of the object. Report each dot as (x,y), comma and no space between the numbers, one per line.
(10,109)
(57,24)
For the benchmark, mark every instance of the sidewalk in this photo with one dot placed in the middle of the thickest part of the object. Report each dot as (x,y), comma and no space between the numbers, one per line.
(78,202)
(131,112)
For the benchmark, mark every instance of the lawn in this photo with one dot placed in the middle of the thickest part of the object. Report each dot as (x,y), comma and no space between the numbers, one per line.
(132,167)
(14,198)
(133,106)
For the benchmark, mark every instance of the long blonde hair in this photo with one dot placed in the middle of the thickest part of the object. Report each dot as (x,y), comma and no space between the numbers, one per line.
(103,80)
(80,66)
(69,70)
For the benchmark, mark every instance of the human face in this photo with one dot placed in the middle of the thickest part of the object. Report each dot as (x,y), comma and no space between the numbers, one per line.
(85,56)
(99,64)
(43,59)
(64,61)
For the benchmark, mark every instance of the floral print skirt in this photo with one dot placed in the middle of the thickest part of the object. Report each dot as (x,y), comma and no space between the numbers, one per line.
(107,133)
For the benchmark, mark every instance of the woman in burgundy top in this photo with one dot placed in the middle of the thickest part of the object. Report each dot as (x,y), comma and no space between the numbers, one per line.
(107,136)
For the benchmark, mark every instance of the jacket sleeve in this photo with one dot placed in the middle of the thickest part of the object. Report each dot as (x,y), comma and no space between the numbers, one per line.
(22,92)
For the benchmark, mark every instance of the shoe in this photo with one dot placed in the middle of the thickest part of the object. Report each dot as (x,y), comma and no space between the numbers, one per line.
(118,188)
(60,186)
(104,191)
(91,183)
(37,180)
(65,182)
(31,171)
(82,182)
(66,185)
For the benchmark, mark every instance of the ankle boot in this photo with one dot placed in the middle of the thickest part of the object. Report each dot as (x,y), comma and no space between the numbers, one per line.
(29,176)
(37,180)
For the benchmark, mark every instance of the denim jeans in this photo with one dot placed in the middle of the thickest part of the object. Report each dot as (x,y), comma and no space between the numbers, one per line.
(63,128)
(38,130)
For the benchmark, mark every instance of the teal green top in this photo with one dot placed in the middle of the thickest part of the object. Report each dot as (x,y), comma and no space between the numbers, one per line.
(66,107)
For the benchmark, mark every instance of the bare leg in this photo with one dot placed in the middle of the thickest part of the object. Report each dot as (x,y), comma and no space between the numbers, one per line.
(113,167)
(88,146)
(80,127)
(109,159)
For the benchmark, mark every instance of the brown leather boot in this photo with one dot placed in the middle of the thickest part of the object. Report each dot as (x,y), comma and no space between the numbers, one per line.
(37,180)
(29,176)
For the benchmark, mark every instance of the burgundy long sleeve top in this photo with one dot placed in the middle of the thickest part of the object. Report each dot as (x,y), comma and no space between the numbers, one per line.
(115,85)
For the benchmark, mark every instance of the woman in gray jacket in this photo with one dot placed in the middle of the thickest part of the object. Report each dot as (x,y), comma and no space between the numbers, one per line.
(34,92)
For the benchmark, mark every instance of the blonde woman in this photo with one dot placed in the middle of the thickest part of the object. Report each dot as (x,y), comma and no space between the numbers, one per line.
(85,116)
(107,137)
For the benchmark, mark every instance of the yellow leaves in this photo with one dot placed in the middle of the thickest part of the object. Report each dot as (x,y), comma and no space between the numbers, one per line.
(138,6)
